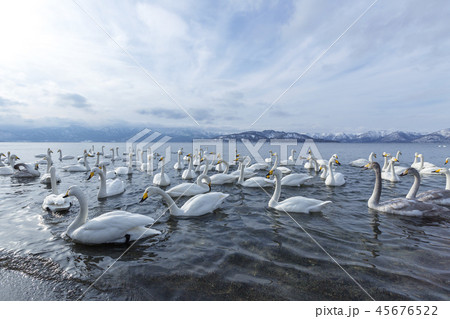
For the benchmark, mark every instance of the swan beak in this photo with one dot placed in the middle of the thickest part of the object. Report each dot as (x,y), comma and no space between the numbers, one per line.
(209,185)
(91,175)
(66,195)
(367,166)
(270,173)
(437,171)
(144,197)
(161,159)
(404,173)
(446,161)
(375,155)
(337,162)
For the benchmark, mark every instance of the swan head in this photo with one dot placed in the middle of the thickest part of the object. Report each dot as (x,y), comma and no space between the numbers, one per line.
(72,191)
(93,171)
(394,159)
(410,171)
(371,165)
(150,190)
(446,160)
(58,151)
(36,166)
(337,162)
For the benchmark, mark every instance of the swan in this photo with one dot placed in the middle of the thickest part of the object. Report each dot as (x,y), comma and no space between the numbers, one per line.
(418,165)
(333,178)
(55,202)
(25,170)
(114,227)
(117,157)
(9,170)
(426,169)
(7,157)
(290,160)
(197,157)
(126,170)
(110,155)
(223,178)
(435,196)
(179,165)
(143,166)
(64,158)
(296,204)
(46,178)
(259,166)
(109,187)
(269,159)
(282,169)
(398,206)
(198,205)
(248,172)
(79,167)
(253,181)
(295,179)
(386,156)
(191,189)
(362,161)
(220,167)
(390,174)
(1,161)
(161,179)
(324,169)
(189,172)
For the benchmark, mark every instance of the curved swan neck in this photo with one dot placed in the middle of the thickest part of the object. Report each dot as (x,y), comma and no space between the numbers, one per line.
(102,190)
(275,165)
(376,194)
(371,157)
(330,168)
(277,191)
(205,170)
(49,164)
(191,165)
(227,166)
(173,208)
(421,161)
(415,186)
(86,164)
(83,214)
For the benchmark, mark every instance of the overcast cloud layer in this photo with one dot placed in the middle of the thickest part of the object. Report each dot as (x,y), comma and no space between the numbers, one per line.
(225,62)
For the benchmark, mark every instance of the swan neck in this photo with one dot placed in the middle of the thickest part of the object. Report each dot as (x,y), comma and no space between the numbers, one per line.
(53,181)
(415,186)
(173,208)
(275,165)
(241,173)
(205,170)
(376,194)
(227,167)
(330,168)
(102,190)
(277,191)
(82,215)
(447,180)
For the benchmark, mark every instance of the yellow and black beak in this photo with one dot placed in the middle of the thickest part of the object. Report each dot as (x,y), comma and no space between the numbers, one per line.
(446,161)
(91,175)
(144,197)
(367,166)
(269,174)
(66,195)
(161,159)
(437,171)
(405,172)
(337,162)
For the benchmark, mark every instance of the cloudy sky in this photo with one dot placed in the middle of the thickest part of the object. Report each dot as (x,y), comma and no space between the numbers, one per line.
(225,63)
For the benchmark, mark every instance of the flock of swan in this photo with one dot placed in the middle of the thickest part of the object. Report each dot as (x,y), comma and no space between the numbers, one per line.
(122,227)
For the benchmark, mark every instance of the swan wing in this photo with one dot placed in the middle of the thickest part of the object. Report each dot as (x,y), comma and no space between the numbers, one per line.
(202,204)
(300,204)
(110,227)
(296,179)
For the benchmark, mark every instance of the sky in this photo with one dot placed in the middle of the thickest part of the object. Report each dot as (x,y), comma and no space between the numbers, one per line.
(222,64)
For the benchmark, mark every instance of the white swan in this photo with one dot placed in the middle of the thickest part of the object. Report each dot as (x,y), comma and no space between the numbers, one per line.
(179,164)
(107,188)
(435,196)
(46,178)
(110,155)
(324,170)
(26,170)
(290,160)
(117,157)
(108,174)
(333,178)
(398,206)
(269,159)
(9,170)
(79,167)
(223,178)
(1,160)
(220,167)
(189,172)
(64,158)
(296,204)
(257,181)
(126,170)
(191,189)
(390,174)
(362,161)
(386,157)
(114,227)
(55,202)
(161,179)
(295,179)
(248,172)
(426,169)
(198,205)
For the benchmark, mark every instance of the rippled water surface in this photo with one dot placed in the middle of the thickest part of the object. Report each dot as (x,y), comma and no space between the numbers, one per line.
(243,251)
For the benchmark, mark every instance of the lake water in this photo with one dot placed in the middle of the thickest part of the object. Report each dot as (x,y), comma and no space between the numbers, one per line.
(243,251)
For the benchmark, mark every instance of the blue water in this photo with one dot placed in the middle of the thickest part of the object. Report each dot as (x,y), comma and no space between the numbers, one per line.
(243,251)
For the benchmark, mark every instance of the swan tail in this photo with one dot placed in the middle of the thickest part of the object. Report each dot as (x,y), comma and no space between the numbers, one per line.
(317,208)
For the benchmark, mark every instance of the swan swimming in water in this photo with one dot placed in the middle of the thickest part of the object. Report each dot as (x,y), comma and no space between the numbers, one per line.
(114,227)
(257,181)
(55,202)
(390,174)
(161,179)
(362,161)
(126,170)
(223,178)
(109,187)
(191,189)
(334,179)
(179,165)
(46,178)
(435,196)
(189,172)
(9,169)
(79,167)
(397,206)
(64,158)
(296,204)
(26,170)
(198,205)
